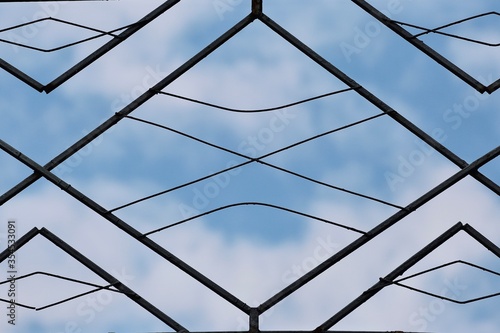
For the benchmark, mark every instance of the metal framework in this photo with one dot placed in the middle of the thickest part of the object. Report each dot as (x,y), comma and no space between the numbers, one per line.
(257,12)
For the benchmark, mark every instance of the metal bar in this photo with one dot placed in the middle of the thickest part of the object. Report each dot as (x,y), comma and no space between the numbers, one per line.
(389,222)
(110,45)
(125,227)
(482,239)
(377,102)
(494,86)
(254,321)
(112,280)
(421,45)
(21,75)
(19,243)
(389,278)
(126,110)
(257,8)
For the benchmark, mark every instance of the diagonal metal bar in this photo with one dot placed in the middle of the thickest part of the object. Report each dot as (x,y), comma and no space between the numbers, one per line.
(125,227)
(482,239)
(377,102)
(389,222)
(110,45)
(97,270)
(19,243)
(127,110)
(112,280)
(421,45)
(21,75)
(386,281)
(494,86)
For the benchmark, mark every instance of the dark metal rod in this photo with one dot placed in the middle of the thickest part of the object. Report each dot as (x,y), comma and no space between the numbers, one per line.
(19,243)
(389,278)
(389,222)
(420,45)
(110,45)
(482,239)
(377,102)
(21,75)
(494,86)
(112,280)
(125,227)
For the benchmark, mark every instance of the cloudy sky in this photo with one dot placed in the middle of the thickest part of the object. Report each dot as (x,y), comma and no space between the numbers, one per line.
(252,251)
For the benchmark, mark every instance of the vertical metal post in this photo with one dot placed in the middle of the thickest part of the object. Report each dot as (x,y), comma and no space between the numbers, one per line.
(254,320)
(257,8)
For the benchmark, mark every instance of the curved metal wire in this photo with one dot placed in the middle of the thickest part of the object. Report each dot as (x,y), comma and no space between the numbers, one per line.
(254,204)
(100,34)
(255,110)
(439,32)
(258,160)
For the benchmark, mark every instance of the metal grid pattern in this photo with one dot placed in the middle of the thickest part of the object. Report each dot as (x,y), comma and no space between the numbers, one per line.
(257,13)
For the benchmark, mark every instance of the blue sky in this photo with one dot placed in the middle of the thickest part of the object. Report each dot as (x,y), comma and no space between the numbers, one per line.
(252,251)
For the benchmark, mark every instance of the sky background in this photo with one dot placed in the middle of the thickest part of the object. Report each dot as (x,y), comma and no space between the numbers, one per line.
(251,251)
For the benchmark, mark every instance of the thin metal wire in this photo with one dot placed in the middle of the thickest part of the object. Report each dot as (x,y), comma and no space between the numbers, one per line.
(255,110)
(254,204)
(258,160)
(64,46)
(439,32)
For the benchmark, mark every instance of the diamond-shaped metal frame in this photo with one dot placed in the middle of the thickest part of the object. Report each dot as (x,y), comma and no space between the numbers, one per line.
(466,169)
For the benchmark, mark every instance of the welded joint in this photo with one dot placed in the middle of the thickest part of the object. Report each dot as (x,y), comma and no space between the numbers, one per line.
(257,8)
